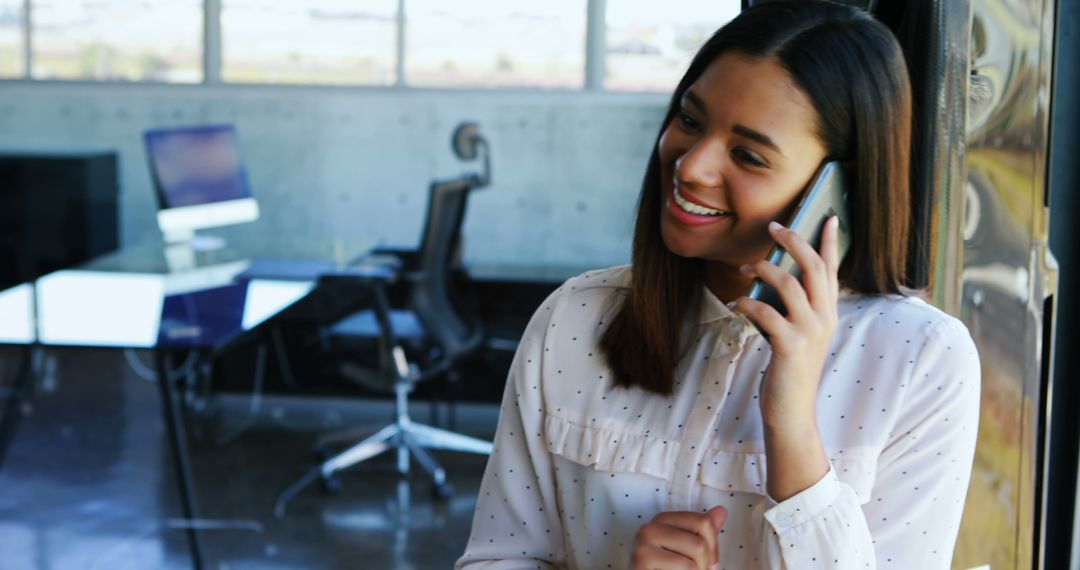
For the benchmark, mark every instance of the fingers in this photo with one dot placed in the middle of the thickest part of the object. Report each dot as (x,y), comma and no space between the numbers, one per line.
(649,557)
(787,286)
(830,250)
(815,270)
(696,526)
(679,540)
(831,244)
(688,545)
(718,515)
(767,318)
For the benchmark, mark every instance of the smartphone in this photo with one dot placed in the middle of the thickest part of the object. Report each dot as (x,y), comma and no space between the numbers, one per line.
(825,196)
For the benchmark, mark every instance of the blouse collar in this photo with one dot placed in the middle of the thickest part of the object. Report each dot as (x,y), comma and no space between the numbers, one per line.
(736,326)
(712,309)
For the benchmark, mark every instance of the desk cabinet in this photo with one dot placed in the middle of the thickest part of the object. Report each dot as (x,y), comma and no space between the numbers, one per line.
(56,211)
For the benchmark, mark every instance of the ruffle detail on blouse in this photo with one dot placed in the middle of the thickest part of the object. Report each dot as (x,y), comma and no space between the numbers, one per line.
(612,451)
(746,472)
(608,450)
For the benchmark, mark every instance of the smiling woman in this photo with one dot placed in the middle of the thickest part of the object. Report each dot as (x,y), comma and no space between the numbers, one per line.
(647,424)
(751,173)
(762,105)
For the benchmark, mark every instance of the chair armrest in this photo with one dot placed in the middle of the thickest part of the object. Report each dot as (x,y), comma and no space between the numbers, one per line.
(375,265)
(368,284)
(388,262)
(365,274)
(407,256)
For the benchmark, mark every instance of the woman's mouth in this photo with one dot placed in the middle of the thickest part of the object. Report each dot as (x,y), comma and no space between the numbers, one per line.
(691,214)
(693,208)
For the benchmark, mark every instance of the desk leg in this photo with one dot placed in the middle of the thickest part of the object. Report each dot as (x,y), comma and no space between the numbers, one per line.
(174,425)
(21,384)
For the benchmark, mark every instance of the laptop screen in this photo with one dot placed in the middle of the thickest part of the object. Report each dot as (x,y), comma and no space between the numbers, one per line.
(193,166)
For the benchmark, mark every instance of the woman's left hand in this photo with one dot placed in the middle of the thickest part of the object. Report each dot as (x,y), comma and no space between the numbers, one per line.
(800,342)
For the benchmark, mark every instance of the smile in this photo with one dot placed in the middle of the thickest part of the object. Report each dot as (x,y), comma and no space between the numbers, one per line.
(689,214)
(693,208)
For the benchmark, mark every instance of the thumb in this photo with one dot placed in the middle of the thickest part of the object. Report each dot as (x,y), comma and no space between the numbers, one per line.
(718,515)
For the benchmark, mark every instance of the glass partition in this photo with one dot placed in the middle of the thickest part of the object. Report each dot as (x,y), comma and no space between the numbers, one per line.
(650,44)
(118,40)
(11,38)
(313,42)
(488,43)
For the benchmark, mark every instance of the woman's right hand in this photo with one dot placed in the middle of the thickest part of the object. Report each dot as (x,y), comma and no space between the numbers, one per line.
(678,540)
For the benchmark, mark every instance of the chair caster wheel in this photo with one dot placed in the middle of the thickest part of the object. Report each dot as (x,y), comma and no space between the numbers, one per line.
(330,485)
(442,492)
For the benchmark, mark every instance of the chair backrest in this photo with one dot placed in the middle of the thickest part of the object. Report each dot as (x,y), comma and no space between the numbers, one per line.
(432,294)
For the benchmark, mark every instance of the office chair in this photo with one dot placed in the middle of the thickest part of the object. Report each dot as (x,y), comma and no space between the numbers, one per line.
(425,340)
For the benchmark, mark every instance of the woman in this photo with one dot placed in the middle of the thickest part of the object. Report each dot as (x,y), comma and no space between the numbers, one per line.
(646,421)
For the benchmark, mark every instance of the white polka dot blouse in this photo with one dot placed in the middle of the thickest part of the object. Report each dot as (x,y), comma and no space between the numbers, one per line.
(579,465)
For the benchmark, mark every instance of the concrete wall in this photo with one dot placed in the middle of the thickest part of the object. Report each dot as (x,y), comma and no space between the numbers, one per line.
(355,163)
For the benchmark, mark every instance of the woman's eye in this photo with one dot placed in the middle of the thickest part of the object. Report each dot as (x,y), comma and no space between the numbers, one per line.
(687,121)
(748,157)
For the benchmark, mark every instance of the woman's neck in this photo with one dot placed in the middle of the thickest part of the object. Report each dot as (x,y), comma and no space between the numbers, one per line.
(725,281)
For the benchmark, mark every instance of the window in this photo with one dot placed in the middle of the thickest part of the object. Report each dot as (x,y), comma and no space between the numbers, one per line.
(464,43)
(650,44)
(495,43)
(143,40)
(11,38)
(309,41)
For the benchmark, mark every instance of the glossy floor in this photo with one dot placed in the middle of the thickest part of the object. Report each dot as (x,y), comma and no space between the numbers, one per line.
(88,483)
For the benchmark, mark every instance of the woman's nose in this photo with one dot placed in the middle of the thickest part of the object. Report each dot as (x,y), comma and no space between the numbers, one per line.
(702,164)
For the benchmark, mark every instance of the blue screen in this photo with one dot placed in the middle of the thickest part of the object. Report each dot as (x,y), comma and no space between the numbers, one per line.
(195,166)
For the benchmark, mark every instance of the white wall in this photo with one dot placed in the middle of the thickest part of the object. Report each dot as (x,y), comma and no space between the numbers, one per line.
(356,163)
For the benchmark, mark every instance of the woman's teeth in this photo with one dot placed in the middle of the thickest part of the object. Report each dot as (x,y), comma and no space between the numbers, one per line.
(694,208)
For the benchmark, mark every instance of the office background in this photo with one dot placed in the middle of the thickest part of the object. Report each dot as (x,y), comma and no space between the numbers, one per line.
(354,159)
(337,163)
(343,111)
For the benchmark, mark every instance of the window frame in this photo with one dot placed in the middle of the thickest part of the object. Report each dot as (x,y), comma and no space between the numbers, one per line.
(595,62)
(24,40)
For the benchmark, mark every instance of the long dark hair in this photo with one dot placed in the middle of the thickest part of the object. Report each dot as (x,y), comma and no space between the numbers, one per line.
(852,69)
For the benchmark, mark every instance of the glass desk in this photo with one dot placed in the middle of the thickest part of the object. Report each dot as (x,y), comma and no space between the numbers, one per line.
(140,297)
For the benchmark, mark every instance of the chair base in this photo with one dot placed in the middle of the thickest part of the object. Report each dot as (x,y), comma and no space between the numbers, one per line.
(405,437)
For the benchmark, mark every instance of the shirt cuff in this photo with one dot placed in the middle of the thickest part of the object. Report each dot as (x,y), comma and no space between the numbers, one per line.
(805,505)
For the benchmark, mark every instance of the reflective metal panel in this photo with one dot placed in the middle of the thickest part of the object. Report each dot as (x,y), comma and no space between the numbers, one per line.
(1007,275)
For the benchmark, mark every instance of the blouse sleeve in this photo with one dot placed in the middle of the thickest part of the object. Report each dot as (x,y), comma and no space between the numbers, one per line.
(516,524)
(913,516)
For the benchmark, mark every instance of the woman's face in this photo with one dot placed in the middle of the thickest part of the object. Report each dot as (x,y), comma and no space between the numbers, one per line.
(743,143)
